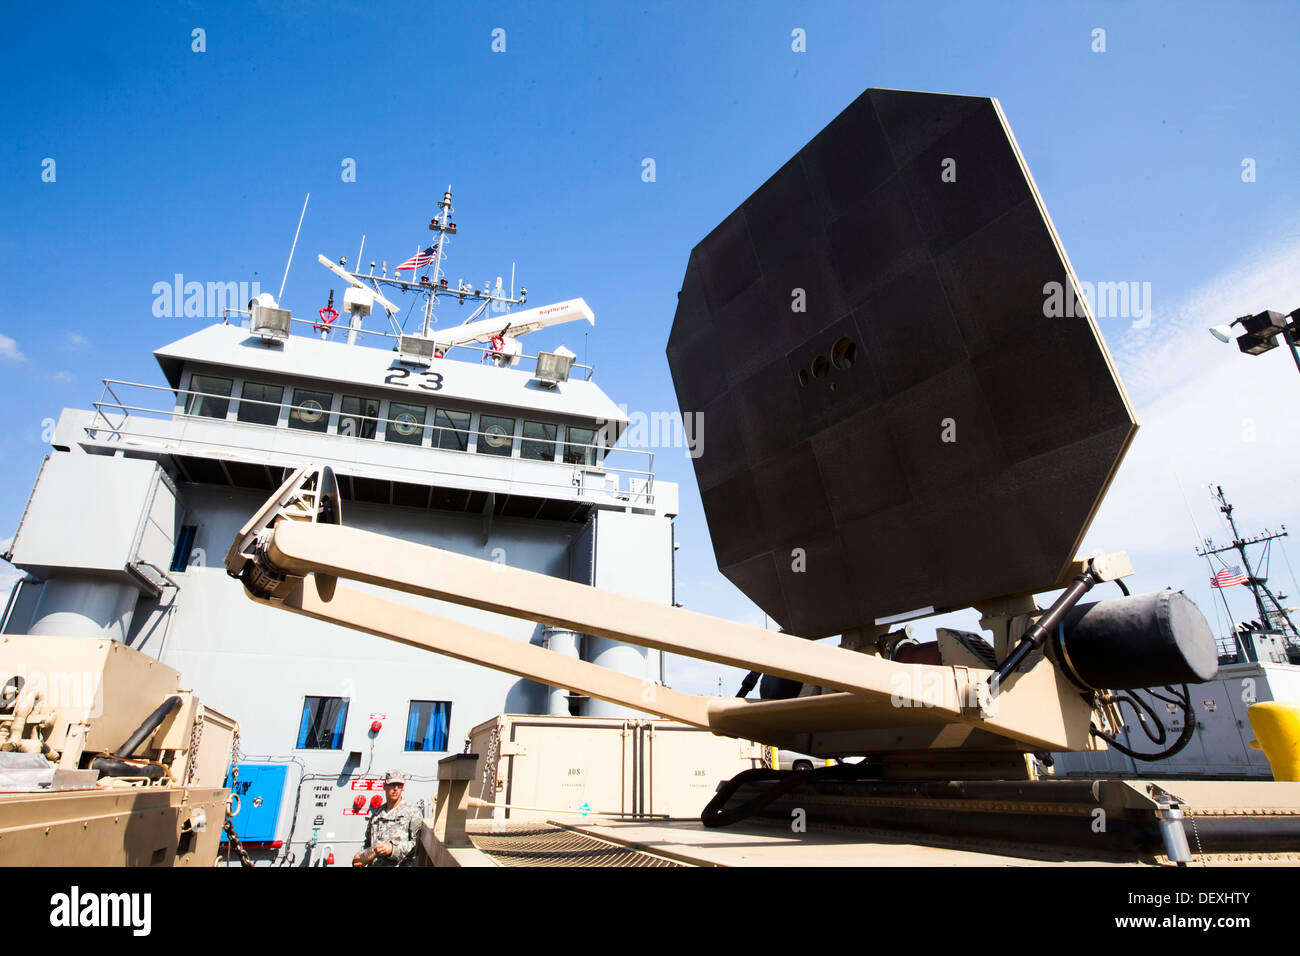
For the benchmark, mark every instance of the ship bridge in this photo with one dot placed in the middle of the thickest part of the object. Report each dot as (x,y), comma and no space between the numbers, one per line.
(488,452)
(427,432)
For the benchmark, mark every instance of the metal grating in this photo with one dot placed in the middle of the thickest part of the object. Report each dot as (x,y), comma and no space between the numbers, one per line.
(534,844)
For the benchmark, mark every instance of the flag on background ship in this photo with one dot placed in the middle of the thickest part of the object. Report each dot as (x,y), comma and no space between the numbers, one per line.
(419,260)
(1228,577)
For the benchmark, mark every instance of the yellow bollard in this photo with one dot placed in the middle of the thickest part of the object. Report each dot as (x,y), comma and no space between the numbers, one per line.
(1277,733)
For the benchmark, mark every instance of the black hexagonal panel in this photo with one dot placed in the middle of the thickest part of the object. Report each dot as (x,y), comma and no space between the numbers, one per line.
(832,496)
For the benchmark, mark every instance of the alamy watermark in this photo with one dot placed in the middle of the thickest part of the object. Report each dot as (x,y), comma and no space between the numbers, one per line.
(662,429)
(1108,300)
(127,910)
(200,300)
(48,691)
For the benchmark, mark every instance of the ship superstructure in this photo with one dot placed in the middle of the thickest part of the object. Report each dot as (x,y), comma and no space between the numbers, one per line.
(452,436)
(1259,661)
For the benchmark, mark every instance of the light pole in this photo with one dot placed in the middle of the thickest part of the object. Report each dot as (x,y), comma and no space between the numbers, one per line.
(1260,333)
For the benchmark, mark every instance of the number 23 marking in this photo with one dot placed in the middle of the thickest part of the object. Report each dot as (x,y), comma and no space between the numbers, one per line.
(431,381)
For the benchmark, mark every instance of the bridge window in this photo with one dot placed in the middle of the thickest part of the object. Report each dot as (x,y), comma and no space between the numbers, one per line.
(260,404)
(453,429)
(321,727)
(311,410)
(539,441)
(358,416)
(427,725)
(579,449)
(213,398)
(405,423)
(496,435)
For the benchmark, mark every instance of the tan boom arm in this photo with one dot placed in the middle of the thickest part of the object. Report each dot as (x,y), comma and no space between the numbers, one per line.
(290,555)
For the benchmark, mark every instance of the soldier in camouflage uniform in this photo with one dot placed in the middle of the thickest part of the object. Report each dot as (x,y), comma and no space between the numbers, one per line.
(393,829)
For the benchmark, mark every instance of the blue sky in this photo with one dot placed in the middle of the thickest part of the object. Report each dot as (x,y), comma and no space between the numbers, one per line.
(169,160)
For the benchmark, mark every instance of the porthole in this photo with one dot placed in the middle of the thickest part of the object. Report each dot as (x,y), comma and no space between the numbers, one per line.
(844,353)
(802,376)
(820,366)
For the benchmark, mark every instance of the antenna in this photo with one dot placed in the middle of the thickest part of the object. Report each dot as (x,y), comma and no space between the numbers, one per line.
(291,249)
(1205,542)
(1258,584)
(442,224)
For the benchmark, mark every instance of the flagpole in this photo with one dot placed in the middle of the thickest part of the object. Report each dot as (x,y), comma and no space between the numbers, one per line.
(1232,624)
(1240,545)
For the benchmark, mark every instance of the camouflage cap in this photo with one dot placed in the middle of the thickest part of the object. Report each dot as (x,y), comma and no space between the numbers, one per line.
(394,776)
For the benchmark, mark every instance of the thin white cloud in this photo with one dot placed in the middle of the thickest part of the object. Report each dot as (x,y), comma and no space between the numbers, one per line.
(1177,348)
(63,376)
(75,340)
(1209,415)
(9,349)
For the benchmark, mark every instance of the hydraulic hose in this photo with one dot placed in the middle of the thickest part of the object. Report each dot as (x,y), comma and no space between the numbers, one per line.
(112,767)
(148,727)
(784,781)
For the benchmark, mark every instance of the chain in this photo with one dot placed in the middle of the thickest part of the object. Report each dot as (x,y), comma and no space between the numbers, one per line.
(234,760)
(196,737)
(234,841)
(488,792)
(231,838)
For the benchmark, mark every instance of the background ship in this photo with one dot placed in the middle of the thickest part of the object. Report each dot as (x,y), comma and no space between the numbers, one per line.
(1259,660)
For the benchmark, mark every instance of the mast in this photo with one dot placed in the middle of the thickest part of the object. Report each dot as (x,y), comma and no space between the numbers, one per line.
(1258,585)
(433,284)
(441,225)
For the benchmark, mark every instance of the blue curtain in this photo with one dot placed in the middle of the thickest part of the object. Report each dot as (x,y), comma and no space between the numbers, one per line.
(305,727)
(413,727)
(184,546)
(339,721)
(427,725)
(322,716)
(435,737)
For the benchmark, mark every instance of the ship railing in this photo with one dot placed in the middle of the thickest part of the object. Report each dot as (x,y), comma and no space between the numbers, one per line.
(632,485)
(105,408)
(1227,647)
(342,331)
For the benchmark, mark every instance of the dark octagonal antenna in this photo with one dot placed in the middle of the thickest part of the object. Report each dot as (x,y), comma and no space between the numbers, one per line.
(893,421)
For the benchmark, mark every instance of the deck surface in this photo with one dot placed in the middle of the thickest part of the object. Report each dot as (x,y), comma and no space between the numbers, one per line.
(688,841)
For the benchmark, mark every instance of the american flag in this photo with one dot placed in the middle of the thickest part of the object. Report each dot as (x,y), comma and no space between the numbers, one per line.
(1228,577)
(419,260)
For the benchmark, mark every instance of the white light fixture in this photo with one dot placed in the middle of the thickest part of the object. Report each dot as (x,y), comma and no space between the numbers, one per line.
(271,324)
(553,367)
(1222,332)
(415,350)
